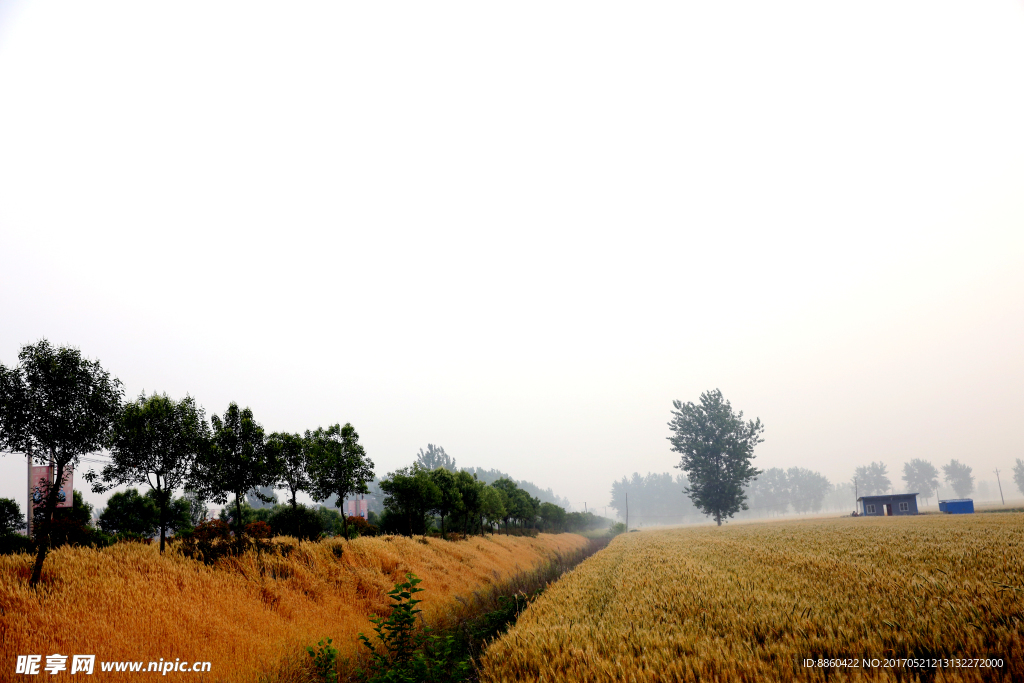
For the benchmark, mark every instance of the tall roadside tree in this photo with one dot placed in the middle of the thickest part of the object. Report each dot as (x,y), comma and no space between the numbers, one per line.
(409,495)
(449,500)
(716,449)
(55,407)
(469,493)
(292,454)
(921,477)
(958,475)
(236,462)
(1018,474)
(506,489)
(492,506)
(338,465)
(155,441)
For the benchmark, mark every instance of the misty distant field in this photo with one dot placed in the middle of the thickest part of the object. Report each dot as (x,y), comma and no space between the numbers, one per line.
(755,601)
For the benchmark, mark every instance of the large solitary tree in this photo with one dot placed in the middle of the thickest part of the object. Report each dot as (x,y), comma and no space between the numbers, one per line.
(338,465)
(716,449)
(155,441)
(55,407)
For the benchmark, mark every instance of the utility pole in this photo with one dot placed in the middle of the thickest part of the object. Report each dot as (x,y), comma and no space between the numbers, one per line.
(1000,487)
(627,511)
(856,494)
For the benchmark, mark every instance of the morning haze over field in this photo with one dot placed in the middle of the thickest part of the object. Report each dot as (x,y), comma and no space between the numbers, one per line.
(521,233)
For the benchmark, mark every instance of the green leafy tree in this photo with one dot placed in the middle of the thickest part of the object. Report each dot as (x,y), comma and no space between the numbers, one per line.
(553,516)
(448,501)
(469,493)
(525,508)
(300,522)
(409,495)
(197,510)
(921,477)
(435,457)
(492,505)
(338,465)
(55,407)
(507,489)
(155,441)
(770,491)
(292,452)
(73,525)
(716,449)
(1018,475)
(959,477)
(11,519)
(807,489)
(237,461)
(129,512)
(873,479)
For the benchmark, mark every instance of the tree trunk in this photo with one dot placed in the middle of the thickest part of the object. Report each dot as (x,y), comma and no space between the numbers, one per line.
(238,519)
(163,500)
(163,523)
(344,517)
(442,526)
(718,518)
(44,529)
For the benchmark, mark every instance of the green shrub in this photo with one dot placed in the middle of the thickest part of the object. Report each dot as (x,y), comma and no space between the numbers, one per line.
(208,542)
(13,543)
(299,522)
(406,654)
(325,661)
(11,519)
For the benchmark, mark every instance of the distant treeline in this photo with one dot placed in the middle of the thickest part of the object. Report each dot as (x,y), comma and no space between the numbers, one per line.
(660,498)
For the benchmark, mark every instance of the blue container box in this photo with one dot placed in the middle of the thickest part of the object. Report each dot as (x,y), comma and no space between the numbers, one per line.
(962,506)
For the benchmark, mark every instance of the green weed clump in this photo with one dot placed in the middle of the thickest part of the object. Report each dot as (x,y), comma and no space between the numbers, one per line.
(325,661)
(406,654)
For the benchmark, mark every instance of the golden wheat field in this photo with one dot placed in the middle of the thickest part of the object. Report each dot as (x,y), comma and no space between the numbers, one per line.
(248,615)
(751,602)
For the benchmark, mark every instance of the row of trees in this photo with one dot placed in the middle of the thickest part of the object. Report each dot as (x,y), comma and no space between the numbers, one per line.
(659,498)
(414,496)
(57,406)
(919,476)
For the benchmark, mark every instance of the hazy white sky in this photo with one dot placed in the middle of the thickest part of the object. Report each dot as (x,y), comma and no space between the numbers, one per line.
(520,232)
